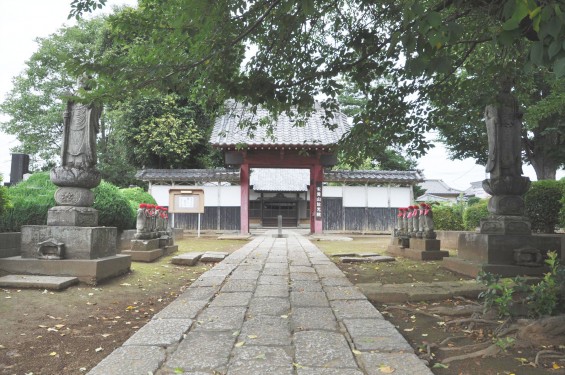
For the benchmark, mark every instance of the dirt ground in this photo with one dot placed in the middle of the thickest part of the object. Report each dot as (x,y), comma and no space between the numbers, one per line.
(69,332)
(425,329)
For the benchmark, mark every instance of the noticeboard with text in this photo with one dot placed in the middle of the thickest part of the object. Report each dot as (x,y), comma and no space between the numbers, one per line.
(190,201)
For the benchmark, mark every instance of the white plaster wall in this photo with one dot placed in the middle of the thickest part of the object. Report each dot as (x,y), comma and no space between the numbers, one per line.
(332,191)
(354,196)
(225,196)
(400,196)
(378,196)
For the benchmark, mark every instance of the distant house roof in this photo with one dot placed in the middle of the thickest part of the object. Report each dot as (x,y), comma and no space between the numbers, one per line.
(193,175)
(439,188)
(233,128)
(395,177)
(432,198)
(279,179)
(476,190)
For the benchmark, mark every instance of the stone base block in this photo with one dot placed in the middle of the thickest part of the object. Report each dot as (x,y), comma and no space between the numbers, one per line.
(144,245)
(424,244)
(72,216)
(90,271)
(400,241)
(279,235)
(417,254)
(472,269)
(167,250)
(144,255)
(166,241)
(506,225)
(500,249)
(79,242)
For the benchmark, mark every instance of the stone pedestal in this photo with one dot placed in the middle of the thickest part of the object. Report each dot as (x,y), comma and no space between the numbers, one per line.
(88,253)
(419,249)
(151,249)
(424,244)
(72,216)
(507,255)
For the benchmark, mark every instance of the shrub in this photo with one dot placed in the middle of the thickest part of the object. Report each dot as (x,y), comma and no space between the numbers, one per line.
(543,203)
(30,201)
(448,217)
(473,214)
(562,212)
(135,196)
(113,208)
(4,200)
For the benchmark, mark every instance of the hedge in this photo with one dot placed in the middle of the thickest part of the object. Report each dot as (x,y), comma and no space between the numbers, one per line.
(135,196)
(448,217)
(474,213)
(543,203)
(30,201)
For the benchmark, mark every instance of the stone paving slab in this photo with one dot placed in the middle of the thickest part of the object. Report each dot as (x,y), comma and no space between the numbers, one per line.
(186,259)
(275,306)
(323,349)
(401,363)
(133,360)
(202,351)
(213,256)
(160,332)
(39,282)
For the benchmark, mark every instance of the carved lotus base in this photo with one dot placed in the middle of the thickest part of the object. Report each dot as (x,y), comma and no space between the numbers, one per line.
(75,177)
(507,185)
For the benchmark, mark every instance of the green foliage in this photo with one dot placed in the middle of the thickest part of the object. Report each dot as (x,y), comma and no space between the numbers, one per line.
(544,297)
(4,200)
(543,203)
(498,295)
(473,214)
(30,200)
(114,209)
(448,217)
(135,196)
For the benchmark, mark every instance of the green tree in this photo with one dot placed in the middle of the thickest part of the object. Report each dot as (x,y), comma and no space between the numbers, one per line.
(302,48)
(151,129)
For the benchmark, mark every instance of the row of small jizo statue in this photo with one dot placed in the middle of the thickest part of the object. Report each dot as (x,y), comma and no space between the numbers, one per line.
(152,221)
(416,221)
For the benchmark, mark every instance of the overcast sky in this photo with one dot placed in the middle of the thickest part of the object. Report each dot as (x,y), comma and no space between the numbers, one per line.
(21,21)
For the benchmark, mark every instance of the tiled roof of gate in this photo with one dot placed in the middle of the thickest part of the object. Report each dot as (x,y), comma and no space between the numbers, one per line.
(227,131)
(395,177)
(267,179)
(223,175)
(275,179)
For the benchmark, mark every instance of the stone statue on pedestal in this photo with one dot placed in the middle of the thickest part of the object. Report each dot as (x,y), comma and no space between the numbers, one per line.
(506,183)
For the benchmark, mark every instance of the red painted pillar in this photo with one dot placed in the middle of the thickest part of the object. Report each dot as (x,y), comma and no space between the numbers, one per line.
(244,211)
(316,179)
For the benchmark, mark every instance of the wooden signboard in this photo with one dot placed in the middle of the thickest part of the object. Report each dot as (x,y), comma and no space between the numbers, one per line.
(188,201)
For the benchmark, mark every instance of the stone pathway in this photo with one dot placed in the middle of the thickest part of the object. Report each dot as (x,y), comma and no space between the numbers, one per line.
(275,306)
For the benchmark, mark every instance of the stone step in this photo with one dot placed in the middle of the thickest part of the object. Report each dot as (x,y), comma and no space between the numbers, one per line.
(39,282)
(213,256)
(369,259)
(186,259)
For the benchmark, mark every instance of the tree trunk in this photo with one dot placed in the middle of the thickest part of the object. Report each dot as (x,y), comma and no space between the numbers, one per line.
(539,149)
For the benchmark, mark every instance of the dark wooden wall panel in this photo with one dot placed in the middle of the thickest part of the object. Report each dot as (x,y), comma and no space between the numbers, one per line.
(229,219)
(332,213)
